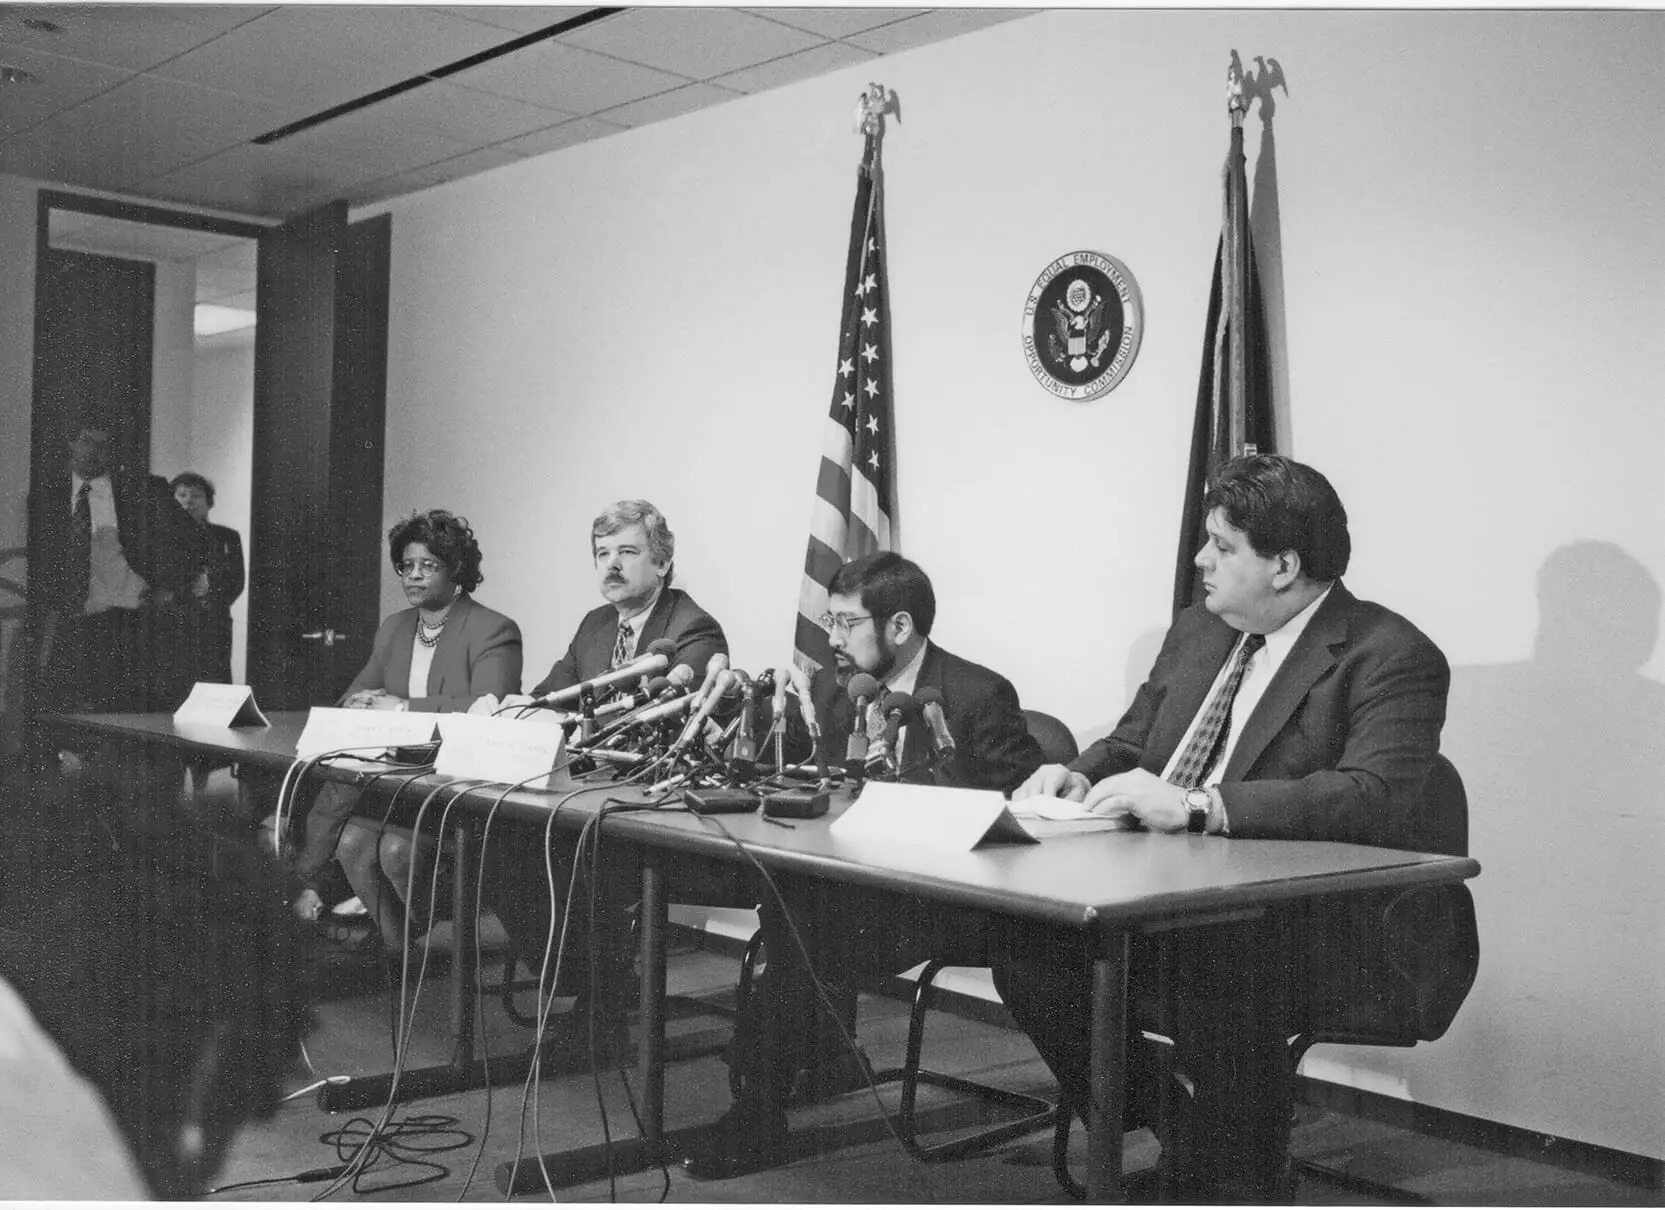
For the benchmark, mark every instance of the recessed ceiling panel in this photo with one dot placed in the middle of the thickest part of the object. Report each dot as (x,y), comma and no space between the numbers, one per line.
(817,61)
(462,116)
(694,42)
(671,104)
(260,180)
(59,83)
(932,26)
(836,22)
(565,78)
(522,19)
(429,175)
(554,138)
(134,36)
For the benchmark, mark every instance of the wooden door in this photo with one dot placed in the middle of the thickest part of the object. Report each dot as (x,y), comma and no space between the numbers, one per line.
(315,557)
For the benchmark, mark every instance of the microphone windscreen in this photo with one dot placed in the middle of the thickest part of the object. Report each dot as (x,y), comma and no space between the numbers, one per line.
(928,695)
(659,684)
(899,703)
(681,676)
(862,685)
(664,647)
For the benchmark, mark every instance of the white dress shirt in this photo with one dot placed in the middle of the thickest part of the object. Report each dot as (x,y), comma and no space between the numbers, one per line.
(111,582)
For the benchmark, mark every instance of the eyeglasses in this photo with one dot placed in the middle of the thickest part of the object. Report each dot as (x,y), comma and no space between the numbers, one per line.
(839,623)
(426,566)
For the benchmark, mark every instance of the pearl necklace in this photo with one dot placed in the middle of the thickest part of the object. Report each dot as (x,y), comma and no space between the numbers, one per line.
(427,633)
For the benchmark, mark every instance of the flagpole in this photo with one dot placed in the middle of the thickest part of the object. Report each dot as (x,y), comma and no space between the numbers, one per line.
(1236,262)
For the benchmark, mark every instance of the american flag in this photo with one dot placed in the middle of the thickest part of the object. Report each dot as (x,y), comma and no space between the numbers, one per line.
(855,489)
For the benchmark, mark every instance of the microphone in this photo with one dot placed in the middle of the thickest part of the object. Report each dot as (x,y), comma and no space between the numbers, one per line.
(742,753)
(862,689)
(720,686)
(642,665)
(715,665)
(650,714)
(897,708)
(631,701)
(930,705)
(806,700)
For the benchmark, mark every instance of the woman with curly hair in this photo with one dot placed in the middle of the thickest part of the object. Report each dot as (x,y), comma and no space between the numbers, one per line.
(441,654)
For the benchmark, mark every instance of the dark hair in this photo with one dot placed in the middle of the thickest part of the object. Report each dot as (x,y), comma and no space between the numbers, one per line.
(164,961)
(192,479)
(447,537)
(888,584)
(1281,504)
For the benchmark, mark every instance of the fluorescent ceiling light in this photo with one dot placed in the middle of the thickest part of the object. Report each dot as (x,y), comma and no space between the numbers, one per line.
(211,320)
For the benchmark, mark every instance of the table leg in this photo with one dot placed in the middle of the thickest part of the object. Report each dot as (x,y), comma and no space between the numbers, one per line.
(1109,1061)
(650,1053)
(465,865)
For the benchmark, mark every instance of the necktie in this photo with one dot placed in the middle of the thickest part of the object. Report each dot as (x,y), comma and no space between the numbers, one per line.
(80,549)
(1208,738)
(622,646)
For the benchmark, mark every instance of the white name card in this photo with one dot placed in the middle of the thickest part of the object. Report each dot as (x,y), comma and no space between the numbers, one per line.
(330,727)
(500,749)
(217,705)
(937,817)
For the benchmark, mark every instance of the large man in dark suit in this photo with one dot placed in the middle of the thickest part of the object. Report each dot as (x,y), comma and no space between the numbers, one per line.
(1282,707)
(880,612)
(634,552)
(109,555)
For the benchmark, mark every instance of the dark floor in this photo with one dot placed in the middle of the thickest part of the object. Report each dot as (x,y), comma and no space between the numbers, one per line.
(843,1151)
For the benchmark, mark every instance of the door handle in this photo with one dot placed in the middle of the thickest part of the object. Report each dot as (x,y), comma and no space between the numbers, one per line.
(330,637)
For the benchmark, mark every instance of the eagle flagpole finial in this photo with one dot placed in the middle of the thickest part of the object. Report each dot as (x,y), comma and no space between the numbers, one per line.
(872,106)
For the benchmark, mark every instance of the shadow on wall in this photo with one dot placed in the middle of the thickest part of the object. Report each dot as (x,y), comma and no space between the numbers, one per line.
(1562,758)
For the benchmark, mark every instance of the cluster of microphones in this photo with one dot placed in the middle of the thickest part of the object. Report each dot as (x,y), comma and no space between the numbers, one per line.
(731,727)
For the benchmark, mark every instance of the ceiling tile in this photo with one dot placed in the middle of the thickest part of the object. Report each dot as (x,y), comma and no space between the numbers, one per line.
(59,83)
(836,22)
(554,138)
(816,61)
(429,175)
(565,78)
(523,19)
(320,57)
(133,36)
(671,104)
(260,180)
(933,26)
(694,42)
(376,139)
(462,115)
(145,127)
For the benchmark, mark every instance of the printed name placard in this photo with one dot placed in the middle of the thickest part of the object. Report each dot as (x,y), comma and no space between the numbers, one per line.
(500,749)
(330,727)
(936,817)
(216,705)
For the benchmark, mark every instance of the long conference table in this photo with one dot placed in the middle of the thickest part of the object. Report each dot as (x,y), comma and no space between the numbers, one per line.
(1106,886)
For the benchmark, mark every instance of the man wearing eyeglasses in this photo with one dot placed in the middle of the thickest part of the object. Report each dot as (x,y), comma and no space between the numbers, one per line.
(880,612)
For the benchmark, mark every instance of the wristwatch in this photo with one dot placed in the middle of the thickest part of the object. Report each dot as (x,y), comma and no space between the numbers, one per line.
(1197,803)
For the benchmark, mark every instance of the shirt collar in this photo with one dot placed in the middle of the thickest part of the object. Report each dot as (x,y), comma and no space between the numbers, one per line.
(644,612)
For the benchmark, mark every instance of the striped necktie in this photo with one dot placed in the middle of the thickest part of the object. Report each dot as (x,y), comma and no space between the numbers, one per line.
(1214,724)
(80,548)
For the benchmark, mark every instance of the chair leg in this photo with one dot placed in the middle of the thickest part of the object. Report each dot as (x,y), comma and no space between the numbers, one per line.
(1061,1155)
(1038,1112)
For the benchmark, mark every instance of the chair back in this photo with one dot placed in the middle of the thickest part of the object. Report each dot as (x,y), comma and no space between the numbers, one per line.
(1403,961)
(1057,744)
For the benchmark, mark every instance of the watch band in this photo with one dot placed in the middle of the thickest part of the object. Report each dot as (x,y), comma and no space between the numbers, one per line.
(1197,803)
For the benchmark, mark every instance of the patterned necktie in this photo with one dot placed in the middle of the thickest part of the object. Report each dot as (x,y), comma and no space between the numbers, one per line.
(1209,736)
(622,645)
(80,548)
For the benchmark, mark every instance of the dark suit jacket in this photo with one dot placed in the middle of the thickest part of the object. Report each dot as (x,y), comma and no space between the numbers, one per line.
(156,537)
(675,616)
(1337,749)
(993,749)
(220,549)
(478,653)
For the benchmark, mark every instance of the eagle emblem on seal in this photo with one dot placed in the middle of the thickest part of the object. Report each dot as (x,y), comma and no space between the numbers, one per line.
(1082,324)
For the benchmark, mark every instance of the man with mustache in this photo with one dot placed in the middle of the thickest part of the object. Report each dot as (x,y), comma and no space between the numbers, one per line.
(634,552)
(880,611)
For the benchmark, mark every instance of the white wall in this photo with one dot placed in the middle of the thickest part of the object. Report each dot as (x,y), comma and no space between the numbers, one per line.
(1472,261)
(173,354)
(222,448)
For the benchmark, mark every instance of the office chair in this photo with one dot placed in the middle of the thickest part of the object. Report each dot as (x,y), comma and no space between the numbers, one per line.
(1396,980)
(1057,747)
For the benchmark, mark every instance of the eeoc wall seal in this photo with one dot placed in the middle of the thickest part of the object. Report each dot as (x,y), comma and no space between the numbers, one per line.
(1082,324)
